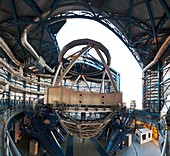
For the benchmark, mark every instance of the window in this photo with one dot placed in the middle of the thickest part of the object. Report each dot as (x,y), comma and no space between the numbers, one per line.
(144,137)
(137,135)
(149,135)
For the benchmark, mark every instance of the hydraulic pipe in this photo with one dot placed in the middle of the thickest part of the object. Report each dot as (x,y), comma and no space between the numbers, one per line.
(25,43)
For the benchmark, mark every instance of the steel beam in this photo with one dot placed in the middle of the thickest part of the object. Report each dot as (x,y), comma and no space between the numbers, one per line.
(12,5)
(56,74)
(103,82)
(107,69)
(41,38)
(165,6)
(160,24)
(34,6)
(75,81)
(86,83)
(71,64)
(56,46)
(53,7)
(152,21)
(14,13)
(103,5)
(130,18)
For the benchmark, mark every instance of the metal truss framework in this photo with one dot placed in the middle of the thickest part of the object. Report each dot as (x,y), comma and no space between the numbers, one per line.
(144,45)
(141,46)
(87,62)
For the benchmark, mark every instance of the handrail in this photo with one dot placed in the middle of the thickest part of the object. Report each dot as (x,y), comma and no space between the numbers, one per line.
(164,125)
(8,142)
(163,153)
(12,145)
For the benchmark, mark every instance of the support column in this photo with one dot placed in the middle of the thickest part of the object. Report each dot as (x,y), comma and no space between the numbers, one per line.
(15,99)
(78,88)
(159,86)
(102,90)
(24,94)
(7,93)
(38,87)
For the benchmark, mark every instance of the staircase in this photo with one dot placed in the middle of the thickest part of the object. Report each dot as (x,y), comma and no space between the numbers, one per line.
(46,137)
(127,119)
(118,141)
(59,135)
(118,136)
(111,141)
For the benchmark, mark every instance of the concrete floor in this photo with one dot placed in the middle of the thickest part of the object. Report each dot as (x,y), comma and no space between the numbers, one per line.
(86,148)
(148,149)
(23,146)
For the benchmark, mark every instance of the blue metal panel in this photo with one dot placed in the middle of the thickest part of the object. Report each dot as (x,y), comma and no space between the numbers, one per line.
(111,141)
(59,135)
(146,113)
(61,128)
(101,134)
(101,151)
(69,150)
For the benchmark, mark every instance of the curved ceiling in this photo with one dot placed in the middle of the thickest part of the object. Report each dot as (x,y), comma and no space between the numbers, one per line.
(143,25)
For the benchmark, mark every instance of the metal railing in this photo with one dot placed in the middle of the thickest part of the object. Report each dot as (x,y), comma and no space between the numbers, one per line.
(10,148)
(164,126)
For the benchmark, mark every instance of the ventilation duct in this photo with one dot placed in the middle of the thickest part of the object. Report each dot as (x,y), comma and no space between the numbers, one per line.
(26,44)
(159,54)
(41,62)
